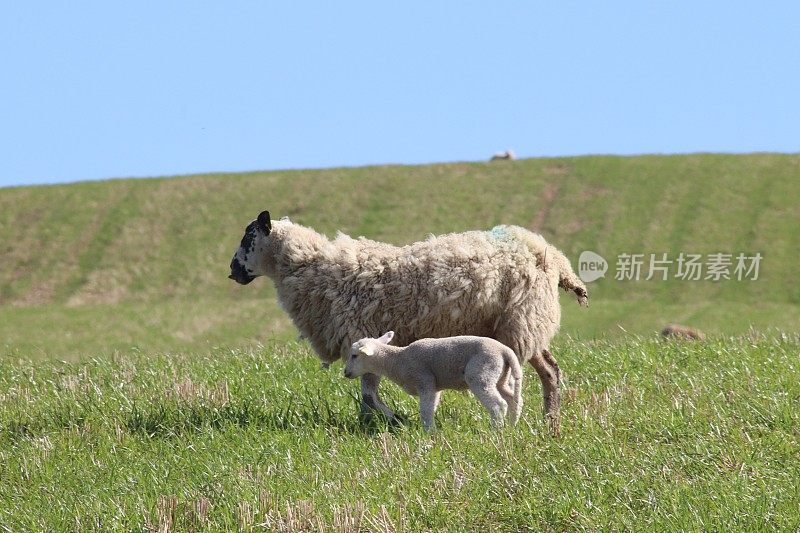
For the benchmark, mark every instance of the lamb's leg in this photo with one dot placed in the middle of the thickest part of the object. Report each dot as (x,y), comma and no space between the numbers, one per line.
(506,390)
(370,400)
(550,375)
(505,386)
(491,399)
(428,401)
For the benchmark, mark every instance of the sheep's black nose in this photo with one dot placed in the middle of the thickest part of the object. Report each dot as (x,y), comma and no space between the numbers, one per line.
(239,273)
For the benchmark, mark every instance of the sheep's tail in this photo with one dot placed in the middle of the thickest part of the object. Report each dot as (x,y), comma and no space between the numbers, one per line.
(550,257)
(514,397)
(567,279)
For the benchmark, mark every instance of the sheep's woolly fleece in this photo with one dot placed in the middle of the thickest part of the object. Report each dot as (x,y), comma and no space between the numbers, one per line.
(501,283)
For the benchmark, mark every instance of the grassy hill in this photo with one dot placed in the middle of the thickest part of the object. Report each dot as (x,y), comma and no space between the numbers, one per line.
(111,265)
(173,419)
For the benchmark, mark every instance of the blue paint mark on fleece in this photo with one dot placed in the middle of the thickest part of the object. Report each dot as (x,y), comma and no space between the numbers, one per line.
(500,234)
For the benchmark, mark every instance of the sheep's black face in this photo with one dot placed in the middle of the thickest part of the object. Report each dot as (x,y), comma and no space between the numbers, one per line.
(246,264)
(239,273)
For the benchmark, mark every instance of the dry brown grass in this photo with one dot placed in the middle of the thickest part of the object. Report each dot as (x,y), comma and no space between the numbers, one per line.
(546,198)
(186,390)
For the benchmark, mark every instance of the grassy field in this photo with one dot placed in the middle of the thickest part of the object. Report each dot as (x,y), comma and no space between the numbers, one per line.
(145,261)
(679,436)
(140,389)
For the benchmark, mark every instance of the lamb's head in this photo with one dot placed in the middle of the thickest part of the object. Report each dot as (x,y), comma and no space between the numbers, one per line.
(249,261)
(357,363)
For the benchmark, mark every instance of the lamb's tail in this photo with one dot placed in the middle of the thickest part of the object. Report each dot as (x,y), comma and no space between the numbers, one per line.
(513,397)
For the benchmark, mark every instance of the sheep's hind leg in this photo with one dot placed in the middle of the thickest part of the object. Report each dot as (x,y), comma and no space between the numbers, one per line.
(550,375)
(371,402)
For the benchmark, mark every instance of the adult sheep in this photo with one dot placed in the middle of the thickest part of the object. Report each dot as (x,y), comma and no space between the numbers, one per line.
(508,154)
(501,284)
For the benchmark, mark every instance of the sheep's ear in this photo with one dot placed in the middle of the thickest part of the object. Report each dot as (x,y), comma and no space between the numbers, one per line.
(387,337)
(366,350)
(263,222)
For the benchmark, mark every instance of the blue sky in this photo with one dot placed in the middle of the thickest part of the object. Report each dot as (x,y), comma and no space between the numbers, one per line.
(92,90)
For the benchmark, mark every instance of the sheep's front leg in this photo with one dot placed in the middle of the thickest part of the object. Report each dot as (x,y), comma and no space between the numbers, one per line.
(550,375)
(371,401)
(428,401)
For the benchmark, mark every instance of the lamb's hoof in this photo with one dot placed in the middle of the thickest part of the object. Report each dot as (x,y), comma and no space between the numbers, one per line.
(367,416)
(398,420)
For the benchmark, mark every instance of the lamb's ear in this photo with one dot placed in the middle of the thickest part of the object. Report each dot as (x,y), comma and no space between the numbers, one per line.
(387,337)
(366,350)
(264,223)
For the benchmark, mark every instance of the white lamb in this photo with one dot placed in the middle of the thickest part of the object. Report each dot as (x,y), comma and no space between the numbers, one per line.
(426,367)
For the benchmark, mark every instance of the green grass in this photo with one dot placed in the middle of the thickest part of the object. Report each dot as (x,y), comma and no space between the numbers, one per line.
(679,436)
(140,389)
(147,260)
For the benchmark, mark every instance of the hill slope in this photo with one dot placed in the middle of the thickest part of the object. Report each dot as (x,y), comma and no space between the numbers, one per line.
(106,265)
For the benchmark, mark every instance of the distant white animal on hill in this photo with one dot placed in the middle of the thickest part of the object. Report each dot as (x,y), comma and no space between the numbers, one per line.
(428,366)
(508,154)
(501,284)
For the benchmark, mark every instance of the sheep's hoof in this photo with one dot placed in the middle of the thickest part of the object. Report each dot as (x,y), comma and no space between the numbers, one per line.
(554,424)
